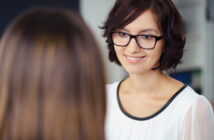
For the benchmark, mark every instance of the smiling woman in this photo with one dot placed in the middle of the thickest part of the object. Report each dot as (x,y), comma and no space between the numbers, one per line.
(146,37)
(147,47)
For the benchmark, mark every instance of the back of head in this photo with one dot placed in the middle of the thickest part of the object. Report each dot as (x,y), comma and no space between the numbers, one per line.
(51,78)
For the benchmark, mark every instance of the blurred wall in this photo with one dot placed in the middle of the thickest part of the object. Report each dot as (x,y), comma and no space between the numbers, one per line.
(210,49)
(94,13)
(199,42)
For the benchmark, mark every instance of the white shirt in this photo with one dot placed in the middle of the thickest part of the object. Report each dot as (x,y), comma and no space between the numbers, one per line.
(186,116)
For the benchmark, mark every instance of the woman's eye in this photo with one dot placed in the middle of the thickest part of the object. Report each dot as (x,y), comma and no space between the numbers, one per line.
(121,34)
(147,37)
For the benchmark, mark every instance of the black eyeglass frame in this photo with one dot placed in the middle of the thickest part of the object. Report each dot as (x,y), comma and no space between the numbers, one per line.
(157,38)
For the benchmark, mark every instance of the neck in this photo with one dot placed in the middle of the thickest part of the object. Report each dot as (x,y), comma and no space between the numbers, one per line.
(147,82)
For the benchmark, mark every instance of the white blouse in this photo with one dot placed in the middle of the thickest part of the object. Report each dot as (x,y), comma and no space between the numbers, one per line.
(186,116)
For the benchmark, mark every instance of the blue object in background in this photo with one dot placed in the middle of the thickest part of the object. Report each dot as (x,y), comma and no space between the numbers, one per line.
(185,77)
(190,77)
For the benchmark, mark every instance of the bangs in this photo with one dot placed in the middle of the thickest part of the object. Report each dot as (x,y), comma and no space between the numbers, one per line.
(127,13)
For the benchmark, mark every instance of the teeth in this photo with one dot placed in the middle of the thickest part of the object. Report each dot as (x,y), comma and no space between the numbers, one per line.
(131,58)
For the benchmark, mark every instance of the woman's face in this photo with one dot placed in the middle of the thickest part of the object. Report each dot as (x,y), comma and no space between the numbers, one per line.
(134,59)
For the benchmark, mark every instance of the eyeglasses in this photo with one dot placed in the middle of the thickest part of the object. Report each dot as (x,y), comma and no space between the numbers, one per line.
(144,41)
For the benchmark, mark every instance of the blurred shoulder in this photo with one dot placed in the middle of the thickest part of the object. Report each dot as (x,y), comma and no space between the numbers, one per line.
(112,86)
(192,99)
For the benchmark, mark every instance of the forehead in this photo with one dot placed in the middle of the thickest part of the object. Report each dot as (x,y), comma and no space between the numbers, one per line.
(145,22)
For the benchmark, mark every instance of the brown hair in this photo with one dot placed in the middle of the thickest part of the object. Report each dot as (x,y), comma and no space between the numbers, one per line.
(168,20)
(51,78)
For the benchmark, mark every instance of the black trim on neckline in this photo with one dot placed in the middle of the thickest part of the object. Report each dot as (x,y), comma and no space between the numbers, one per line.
(153,115)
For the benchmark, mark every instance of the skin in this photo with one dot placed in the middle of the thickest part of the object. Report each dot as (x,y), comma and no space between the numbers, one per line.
(145,91)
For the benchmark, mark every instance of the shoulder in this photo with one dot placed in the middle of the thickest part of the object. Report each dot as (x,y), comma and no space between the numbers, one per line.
(111,93)
(195,104)
(192,98)
(198,119)
(112,87)
(190,103)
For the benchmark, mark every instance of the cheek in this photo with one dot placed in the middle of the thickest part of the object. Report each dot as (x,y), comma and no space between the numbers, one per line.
(159,49)
(156,54)
(118,51)
(154,57)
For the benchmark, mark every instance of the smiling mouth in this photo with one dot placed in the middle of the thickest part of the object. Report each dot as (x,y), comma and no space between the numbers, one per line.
(134,59)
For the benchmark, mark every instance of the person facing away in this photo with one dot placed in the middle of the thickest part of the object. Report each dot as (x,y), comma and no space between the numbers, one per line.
(146,37)
(51,78)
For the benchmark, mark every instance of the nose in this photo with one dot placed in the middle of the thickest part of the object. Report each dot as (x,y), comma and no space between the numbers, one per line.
(133,46)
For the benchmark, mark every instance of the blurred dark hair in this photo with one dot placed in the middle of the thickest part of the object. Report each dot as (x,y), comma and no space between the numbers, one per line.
(168,20)
(51,78)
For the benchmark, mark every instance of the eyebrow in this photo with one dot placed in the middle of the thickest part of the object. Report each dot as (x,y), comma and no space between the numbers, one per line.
(144,30)
(148,30)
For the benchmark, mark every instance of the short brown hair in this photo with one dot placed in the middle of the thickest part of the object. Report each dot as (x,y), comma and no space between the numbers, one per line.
(51,78)
(168,20)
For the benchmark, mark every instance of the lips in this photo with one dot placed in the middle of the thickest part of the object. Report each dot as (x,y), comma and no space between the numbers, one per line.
(134,59)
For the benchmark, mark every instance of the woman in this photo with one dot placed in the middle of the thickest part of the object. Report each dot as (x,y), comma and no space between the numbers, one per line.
(146,37)
(51,79)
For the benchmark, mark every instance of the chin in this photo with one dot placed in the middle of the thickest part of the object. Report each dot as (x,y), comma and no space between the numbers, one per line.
(139,69)
(136,71)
